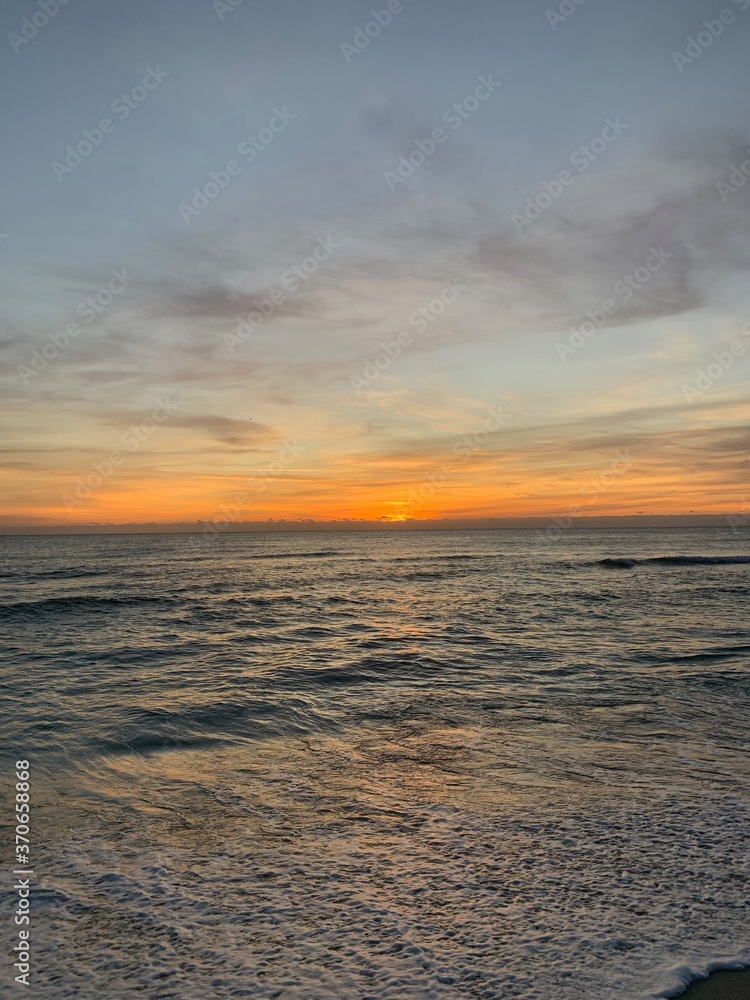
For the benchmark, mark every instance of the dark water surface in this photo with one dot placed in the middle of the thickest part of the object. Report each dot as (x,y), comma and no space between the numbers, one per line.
(381,765)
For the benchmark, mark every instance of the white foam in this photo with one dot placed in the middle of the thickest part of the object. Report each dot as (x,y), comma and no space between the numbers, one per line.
(322,872)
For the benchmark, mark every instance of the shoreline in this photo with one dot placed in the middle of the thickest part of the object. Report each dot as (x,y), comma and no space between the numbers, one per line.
(727,984)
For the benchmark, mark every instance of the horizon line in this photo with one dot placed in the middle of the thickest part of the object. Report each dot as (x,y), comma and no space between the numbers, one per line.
(564,522)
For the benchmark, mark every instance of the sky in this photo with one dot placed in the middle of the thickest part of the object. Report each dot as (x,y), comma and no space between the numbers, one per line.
(341,262)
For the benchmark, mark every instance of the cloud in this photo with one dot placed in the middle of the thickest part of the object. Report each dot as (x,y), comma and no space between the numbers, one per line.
(225,430)
(220,302)
(604,227)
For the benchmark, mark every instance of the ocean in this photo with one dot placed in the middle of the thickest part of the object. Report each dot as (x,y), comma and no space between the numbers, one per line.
(380,765)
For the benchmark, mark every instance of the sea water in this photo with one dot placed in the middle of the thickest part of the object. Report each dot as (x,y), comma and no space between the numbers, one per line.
(360,765)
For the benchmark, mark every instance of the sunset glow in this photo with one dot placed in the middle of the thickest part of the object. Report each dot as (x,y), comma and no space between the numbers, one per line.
(360,337)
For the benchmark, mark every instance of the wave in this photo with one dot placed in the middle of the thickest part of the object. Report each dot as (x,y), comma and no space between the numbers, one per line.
(298,555)
(150,743)
(74,604)
(625,563)
(439,558)
(700,656)
(52,574)
(271,600)
(420,575)
(154,730)
(370,669)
